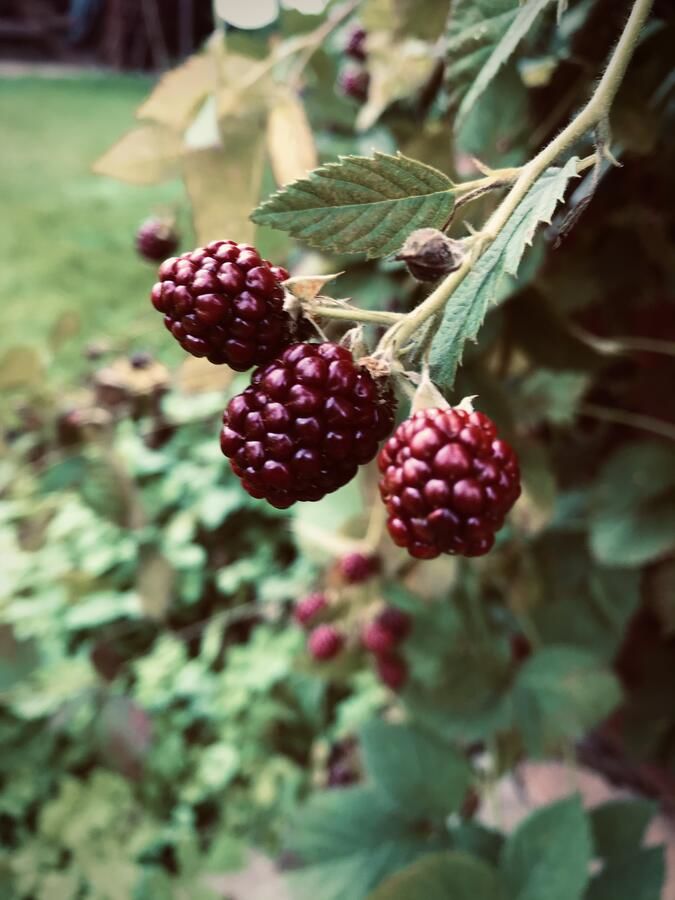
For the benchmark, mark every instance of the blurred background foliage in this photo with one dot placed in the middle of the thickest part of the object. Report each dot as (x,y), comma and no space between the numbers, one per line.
(158,716)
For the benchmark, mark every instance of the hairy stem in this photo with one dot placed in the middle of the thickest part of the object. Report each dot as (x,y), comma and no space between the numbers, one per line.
(595,111)
(353,314)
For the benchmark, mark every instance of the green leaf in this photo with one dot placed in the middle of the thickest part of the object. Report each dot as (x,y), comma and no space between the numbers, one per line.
(351,841)
(440,876)
(475,28)
(399,759)
(509,40)
(549,853)
(560,692)
(633,514)
(468,306)
(548,396)
(619,826)
(637,876)
(361,204)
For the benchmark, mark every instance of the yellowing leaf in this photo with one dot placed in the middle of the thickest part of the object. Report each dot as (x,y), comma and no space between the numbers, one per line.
(388,82)
(177,95)
(146,155)
(290,143)
(20,367)
(224,183)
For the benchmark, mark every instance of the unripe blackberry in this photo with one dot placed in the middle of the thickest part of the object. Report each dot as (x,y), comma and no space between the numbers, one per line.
(325,642)
(224,302)
(308,608)
(395,621)
(156,239)
(392,670)
(447,482)
(355,43)
(305,424)
(429,254)
(354,83)
(377,639)
(358,567)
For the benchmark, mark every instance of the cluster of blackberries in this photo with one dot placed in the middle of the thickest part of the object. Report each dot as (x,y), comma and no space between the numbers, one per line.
(380,635)
(354,79)
(312,414)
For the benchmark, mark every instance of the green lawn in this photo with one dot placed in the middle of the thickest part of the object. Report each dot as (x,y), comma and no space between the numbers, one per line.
(67,235)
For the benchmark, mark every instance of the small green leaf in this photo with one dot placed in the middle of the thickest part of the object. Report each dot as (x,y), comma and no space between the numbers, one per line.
(509,40)
(361,204)
(469,304)
(638,876)
(440,876)
(619,826)
(549,853)
(398,759)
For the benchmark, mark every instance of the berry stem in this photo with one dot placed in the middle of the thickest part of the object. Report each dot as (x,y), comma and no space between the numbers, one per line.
(596,110)
(353,314)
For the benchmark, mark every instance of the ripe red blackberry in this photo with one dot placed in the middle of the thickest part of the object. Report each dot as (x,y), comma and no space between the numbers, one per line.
(447,482)
(308,608)
(156,239)
(358,567)
(305,424)
(224,302)
(355,43)
(392,670)
(354,82)
(325,642)
(395,621)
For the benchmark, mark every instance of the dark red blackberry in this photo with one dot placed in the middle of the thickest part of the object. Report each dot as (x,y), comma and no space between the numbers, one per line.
(355,43)
(354,83)
(395,621)
(325,642)
(308,608)
(358,567)
(156,239)
(305,424)
(392,670)
(447,482)
(224,302)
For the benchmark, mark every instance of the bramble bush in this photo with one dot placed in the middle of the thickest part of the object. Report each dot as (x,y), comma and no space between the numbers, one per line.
(491,180)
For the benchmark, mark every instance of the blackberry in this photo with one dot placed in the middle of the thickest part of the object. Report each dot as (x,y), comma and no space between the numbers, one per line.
(395,621)
(308,608)
(357,567)
(447,482)
(386,631)
(224,302)
(355,43)
(325,642)
(305,424)
(392,670)
(156,239)
(354,82)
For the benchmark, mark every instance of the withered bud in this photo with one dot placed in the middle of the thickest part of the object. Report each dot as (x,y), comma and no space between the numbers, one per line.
(429,254)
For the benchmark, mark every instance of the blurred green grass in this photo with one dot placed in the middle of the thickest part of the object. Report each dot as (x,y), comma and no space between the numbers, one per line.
(66,234)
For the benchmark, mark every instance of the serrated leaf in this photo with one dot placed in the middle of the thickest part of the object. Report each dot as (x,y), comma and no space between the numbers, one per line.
(639,875)
(516,31)
(290,142)
(398,759)
(440,876)
(475,27)
(548,854)
(468,306)
(361,204)
(177,95)
(560,693)
(148,154)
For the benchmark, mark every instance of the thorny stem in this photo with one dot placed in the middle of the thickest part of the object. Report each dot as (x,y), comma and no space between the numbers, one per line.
(595,112)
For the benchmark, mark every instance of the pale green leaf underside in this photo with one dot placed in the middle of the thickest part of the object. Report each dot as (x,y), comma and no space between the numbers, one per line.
(468,306)
(361,204)
(504,48)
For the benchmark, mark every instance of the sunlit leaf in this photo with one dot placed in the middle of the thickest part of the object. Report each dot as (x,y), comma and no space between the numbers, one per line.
(147,154)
